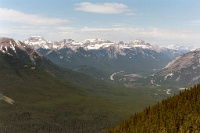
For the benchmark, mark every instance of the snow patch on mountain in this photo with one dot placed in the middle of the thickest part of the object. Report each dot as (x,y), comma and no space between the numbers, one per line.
(19,50)
(9,43)
(90,44)
(169,75)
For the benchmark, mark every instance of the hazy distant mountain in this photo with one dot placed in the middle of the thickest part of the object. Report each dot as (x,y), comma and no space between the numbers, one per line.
(183,48)
(104,55)
(184,69)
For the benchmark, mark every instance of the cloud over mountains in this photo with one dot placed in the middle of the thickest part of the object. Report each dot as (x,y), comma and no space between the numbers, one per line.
(11,15)
(102,8)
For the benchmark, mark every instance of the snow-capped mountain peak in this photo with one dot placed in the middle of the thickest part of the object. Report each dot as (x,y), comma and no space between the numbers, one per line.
(138,42)
(18,49)
(96,40)
(9,43)
(38,42)
(34,40)
(88,44)
(94,44)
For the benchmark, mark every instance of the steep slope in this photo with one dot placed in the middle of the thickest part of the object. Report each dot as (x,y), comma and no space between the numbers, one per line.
(45,103)
(33,99)
(20,50)
(177,114)
(27,54)
(183,70)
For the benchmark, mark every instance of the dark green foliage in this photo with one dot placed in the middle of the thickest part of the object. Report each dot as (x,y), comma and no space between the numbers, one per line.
(44,103)
(92,71)
(177,114)
(63,103)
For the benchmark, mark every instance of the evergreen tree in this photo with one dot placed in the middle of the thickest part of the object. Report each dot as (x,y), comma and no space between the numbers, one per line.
(177,114)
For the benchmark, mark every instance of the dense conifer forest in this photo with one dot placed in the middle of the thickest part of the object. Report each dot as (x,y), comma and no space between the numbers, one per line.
(34,100)
(177,114)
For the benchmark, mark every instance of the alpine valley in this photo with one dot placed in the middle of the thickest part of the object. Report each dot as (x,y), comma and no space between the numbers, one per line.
(101,58)
(88,86)
(135,62)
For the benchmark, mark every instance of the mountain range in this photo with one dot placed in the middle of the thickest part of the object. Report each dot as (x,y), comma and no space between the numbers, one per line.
(183,71)
(102,58)
(38,96)
(103,55)
(106,60)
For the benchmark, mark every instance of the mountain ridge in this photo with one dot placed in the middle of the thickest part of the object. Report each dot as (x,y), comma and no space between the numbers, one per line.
(104,55)
(182,70)
(89,44)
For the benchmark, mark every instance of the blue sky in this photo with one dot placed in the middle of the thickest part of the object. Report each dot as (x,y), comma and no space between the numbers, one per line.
(159,22)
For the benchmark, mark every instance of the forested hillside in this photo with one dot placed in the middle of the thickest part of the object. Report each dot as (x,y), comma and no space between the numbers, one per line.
(177,114)
(43,98)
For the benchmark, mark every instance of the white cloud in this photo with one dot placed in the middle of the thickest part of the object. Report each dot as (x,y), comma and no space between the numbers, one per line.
(116,34)
(11,15)
(159,36)
(102,8)
(145,32)
(195,22)
(151,35)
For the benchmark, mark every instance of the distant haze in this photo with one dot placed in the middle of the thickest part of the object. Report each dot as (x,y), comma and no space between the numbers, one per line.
(157,22)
